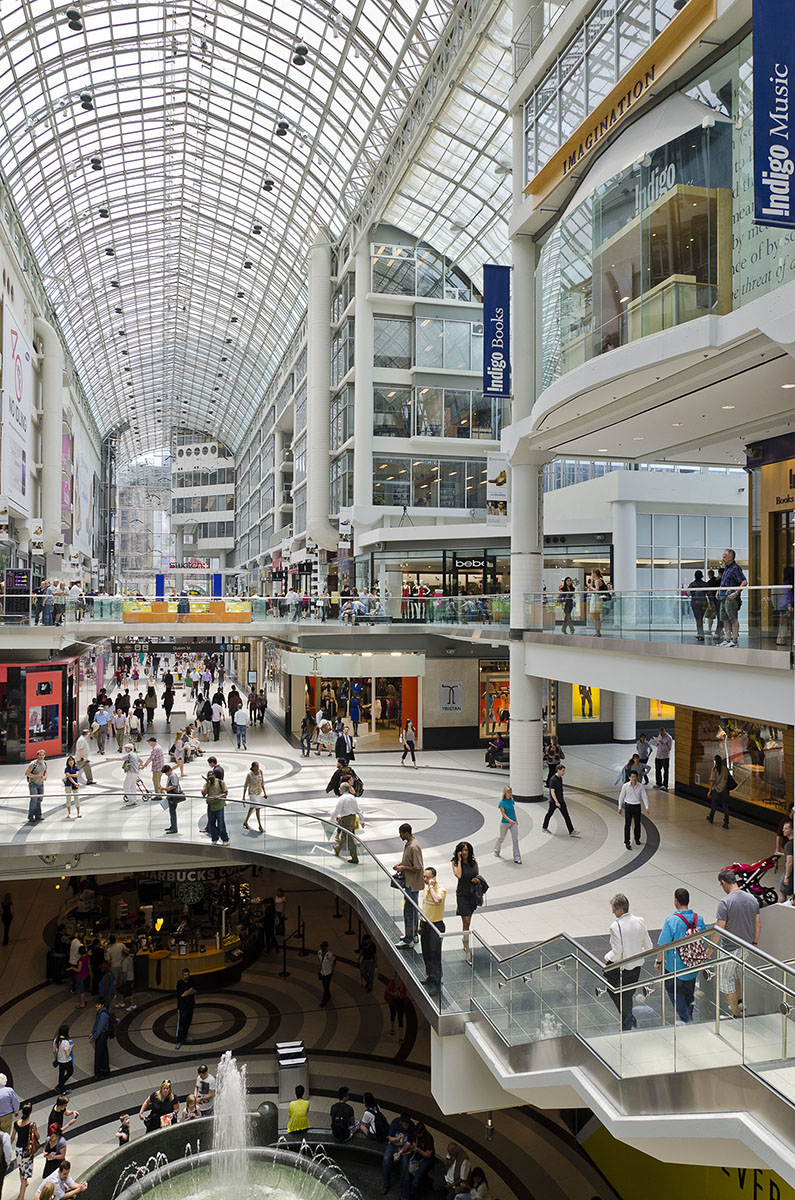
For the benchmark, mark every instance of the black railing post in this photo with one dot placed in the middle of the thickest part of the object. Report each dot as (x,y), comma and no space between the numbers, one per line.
(349,930)
(337,914)
(284,972)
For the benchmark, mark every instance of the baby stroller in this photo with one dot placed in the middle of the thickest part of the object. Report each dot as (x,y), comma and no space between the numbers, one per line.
(749,877)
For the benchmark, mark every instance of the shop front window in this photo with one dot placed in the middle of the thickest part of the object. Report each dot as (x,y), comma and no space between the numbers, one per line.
(495,699)
(754,752)
(428,412)
(425,483)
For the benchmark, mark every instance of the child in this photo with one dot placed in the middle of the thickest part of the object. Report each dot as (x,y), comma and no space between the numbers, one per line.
(123,1132)
(191,1109)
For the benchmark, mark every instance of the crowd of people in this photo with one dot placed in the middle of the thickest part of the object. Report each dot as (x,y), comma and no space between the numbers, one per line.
(408,1146)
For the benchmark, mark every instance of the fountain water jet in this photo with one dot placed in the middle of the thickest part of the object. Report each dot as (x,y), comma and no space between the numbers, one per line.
(230,1128)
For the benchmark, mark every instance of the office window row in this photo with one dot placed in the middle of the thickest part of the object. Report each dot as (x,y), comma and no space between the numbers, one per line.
(341,482)
(402,342)
(417,271)
(341,418)
(429,482)
(200,504)
(192,479)
(435,412)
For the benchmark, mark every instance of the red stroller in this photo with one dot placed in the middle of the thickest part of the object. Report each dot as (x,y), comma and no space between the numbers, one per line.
(749,877)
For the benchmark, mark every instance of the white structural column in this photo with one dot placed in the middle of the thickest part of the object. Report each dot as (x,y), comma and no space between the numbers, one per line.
(52,368)
(278,480)
(527,540)
(363,399)
(625,560)
(318,387)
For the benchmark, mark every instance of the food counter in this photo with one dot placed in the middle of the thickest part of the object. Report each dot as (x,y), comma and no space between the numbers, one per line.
(212,967)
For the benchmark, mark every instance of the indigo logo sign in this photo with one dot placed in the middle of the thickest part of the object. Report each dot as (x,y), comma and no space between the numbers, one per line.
(774,71)
(496,330)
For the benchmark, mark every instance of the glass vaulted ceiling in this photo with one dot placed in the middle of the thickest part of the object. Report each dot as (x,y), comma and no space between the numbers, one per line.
(175,275)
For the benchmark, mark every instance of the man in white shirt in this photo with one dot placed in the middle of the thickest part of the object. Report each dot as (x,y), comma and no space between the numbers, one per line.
(346,814)
(240,722)
(74,950)
(82,751)
(205,1091)
(114,953)
(628,937)
(216,718)
(630,798)
(663,744)
(457,1170)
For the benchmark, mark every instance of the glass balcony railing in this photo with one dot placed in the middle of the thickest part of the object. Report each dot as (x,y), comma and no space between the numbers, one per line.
(558,988)
(367,609)
(763,618)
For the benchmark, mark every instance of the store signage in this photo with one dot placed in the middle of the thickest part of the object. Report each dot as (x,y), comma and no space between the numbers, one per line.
(190,875)
(774,128)
(15,454)
(496,330)
(647,72)
(151,645)
(451,697)
(467,564)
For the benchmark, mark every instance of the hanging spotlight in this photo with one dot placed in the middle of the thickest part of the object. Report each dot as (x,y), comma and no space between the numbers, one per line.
(281,127)
(75,19)
(86,101)
(256,229)
(104,213)
(268,185)
(96,163)
(299,54)
(240,295)
(110,251)
(248,264)
(233,319)
(115,283)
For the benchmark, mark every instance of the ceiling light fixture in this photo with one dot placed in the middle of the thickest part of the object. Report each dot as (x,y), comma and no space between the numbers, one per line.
(74,19)
(727,407)
(96,163)
(299,54)
(256,229)
(248,264)
(268,185)
(104,213)
(86,101)
(786,386)
(678,424)
(282,127)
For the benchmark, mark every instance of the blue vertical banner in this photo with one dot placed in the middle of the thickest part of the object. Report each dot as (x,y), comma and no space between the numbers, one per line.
(496,330)
(774,129)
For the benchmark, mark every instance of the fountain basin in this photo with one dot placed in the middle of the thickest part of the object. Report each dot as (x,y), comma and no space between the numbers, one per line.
(273,1174)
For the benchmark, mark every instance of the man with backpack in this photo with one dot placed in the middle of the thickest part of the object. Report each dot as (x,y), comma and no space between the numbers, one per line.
(682,922)
(104,1027)
(343,1118)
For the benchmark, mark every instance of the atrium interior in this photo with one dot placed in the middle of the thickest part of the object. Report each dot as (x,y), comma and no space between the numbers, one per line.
(397,535)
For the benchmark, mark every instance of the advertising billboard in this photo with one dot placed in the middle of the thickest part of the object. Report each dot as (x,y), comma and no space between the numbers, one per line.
(15,453)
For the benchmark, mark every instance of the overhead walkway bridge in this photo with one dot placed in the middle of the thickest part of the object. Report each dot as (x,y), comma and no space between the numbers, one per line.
(540,1026)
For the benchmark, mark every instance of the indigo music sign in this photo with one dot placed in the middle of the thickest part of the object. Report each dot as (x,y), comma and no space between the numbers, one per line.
(774,76)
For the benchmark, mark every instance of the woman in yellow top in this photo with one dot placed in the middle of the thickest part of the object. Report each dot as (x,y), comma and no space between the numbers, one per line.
(298,1112)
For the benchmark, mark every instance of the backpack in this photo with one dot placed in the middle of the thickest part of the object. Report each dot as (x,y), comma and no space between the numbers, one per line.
(340,1127)
(113,1025)
(358,786)
(380,1126)
(695,954)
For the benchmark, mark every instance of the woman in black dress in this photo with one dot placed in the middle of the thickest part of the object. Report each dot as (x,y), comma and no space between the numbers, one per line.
(465,869)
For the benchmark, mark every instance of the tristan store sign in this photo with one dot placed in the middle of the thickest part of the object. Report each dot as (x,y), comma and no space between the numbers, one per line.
(665,51)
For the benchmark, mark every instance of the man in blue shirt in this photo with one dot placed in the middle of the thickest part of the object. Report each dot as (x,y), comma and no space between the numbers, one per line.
(400,1137)
(99,1040)
(679,924)
(729,597)
(102,721)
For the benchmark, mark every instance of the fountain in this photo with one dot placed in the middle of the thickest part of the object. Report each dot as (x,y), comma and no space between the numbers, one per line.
(233,1169)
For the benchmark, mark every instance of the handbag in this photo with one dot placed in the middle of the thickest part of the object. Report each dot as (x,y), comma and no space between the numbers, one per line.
(479,890)
(398,880)
(731,783)
(34,1140)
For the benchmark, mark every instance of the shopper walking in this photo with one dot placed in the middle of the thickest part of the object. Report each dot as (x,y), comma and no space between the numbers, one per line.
(254,788)
(433,901)
(508,823)
(240,723)
(82,755)
(567,594)
(465,869)
(597,594)
(698,602)
(215,793)
(131,766)
(150,704)
(156,760)
(71,786)
(25,1139)
(326,962)
(738,913)
(628,938)
(395,996)
(186,1002)
(663,744)
(119,725)
(630,799)
(729,597)
(718,791)
(36,775)
(681,989)
(98,1038)
(408,738)
(348,814)
(63,1052)
(174,795)
(411,868)
(557,803)
(553,757)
